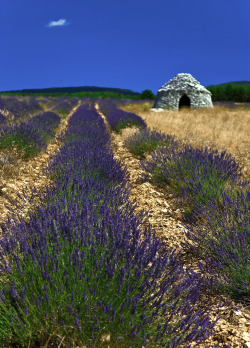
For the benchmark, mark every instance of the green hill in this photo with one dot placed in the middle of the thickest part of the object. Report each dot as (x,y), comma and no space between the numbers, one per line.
(241,83)
(91,91)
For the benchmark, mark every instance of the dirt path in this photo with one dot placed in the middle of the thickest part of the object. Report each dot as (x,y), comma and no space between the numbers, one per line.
(234,326)
(29,173)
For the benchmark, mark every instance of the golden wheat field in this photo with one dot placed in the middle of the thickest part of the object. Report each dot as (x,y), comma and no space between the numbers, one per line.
(226,129)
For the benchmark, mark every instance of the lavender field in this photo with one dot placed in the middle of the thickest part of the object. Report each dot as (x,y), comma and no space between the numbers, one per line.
(83,266)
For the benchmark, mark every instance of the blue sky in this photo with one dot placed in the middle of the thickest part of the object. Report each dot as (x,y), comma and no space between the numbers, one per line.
(134,44)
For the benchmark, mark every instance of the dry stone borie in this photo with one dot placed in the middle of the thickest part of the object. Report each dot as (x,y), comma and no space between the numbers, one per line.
(183,90)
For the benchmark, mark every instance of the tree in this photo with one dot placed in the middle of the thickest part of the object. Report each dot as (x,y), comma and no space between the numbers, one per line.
(147,94)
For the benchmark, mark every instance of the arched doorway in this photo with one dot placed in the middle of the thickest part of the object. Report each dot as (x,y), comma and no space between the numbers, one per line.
(184,102)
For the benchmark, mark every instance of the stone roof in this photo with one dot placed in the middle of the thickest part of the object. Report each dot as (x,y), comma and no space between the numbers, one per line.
(184,82)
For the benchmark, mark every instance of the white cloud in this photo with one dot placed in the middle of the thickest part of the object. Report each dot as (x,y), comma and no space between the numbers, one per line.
(60,23)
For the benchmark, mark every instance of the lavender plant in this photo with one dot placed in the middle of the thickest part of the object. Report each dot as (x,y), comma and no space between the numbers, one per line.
(106,105)
(119,119)
(47,102)
(222,240)
(83,266)
(2,119)
(64,106)
(46,124)
(32,135)
(20,108)
(195,176)
(146,141)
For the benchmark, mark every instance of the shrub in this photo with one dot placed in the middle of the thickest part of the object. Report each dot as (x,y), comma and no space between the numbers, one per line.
(146,141)
(195,176)
(147,94)
(64,106)
(32,135)
(119,119)
(20,108)
(222,240)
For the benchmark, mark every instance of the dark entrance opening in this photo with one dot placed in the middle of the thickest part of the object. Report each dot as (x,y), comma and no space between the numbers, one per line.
(184,102)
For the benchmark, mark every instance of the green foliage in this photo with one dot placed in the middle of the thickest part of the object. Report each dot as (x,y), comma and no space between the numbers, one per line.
(222,240)
(62,113)
(126,123)
(194,176)
(147,94)
(181,176)
(47,307)
(144,147)
(230,92)
(25,322)
(146,141)
(77,94)
(14,140)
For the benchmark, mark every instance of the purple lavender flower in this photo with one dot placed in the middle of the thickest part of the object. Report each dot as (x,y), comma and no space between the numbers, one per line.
(84,245)
(119,119)
(146,140)
(31,135)
(193,175)
(222,240)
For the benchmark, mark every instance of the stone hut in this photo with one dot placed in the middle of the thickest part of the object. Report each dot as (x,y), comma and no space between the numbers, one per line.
(183,90)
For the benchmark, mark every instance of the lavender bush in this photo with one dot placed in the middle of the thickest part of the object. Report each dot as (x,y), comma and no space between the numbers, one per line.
(106,105)
(146,141)
(83,266)
(222,240)
(20,108)
(32,135)
(64,106)
(119,119)
(47,102)
(2,119)
(195,176)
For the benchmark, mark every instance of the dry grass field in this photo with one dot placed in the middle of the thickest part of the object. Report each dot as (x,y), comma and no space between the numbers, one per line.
(221,127)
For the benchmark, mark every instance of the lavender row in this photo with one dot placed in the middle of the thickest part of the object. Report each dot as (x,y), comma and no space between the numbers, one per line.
(15,108)
(209,189)
(117,118)
(83,266)
(214,200)
(222,241)
(31,135)
(194,176)
(145,141)
(64,106)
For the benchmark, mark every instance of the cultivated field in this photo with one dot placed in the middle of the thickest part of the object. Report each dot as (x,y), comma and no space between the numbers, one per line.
(82,266)
(226,129)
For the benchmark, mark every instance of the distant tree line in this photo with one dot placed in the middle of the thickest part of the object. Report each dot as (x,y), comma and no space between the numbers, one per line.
(146,94)
(230,92)
(77,94)
(225,92)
